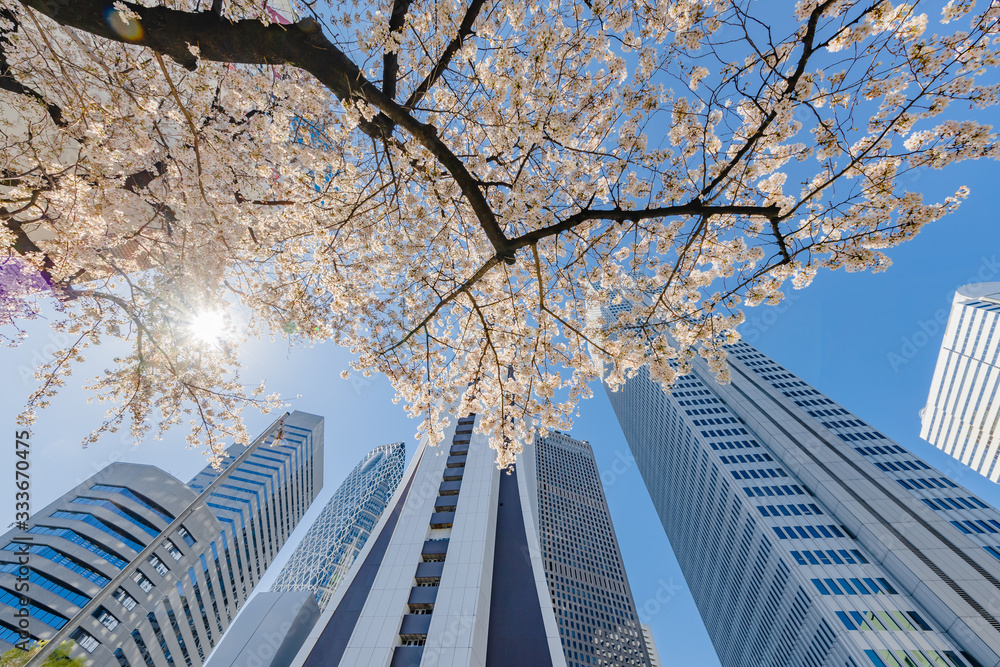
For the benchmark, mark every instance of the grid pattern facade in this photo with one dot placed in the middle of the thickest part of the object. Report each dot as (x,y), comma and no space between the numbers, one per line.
(335,539)
(807,537)
(962,411)
(180,598)
(595,611)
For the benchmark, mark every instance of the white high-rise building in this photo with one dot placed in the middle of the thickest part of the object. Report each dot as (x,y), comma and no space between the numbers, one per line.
(472,566)
(140,569)
(962,411)
(654,654)
(807,537)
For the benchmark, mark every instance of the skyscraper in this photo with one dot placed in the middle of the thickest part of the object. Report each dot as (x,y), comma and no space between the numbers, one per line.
(806,536)
(456,572)
(962,410)
(274,624)
(654,654)
(583,566)
(334,540)
(140,569)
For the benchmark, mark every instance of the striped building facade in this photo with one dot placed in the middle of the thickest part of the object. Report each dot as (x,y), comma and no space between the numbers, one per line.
(471,566)
(142,570)
(962,411)
(807,537)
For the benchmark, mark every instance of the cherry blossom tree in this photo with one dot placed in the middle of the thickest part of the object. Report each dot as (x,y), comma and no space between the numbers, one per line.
(450,188)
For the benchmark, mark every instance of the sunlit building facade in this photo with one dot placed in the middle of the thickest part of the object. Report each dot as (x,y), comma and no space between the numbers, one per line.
(807,537)
(471,566)
(962,411)
(142,570)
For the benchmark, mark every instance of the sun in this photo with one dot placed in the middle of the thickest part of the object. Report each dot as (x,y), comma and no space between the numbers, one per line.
(208,326)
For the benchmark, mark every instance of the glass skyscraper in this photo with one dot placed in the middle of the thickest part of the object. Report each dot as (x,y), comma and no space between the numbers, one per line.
(808,537)
(140,569)
(962,411)
(334,540)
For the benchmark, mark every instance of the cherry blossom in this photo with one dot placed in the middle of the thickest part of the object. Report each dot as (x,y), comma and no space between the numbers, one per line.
(459,191)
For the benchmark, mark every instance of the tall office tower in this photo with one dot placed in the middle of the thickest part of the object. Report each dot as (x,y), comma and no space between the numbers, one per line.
(456,574)
(140,569)
(274,624)
(962,410)
(334,540)
(654,654)
(583,566)
(807,537)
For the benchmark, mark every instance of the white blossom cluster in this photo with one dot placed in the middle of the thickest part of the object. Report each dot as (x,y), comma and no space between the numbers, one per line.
(489,170)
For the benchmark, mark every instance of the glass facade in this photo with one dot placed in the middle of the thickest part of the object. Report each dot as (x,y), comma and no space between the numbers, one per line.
(182,597)
(334,540)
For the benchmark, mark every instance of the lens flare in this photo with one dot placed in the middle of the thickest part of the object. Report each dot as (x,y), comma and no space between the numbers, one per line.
(208,326)
(126,27)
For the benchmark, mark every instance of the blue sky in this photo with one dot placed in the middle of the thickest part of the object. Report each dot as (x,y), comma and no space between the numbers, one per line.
(867,341)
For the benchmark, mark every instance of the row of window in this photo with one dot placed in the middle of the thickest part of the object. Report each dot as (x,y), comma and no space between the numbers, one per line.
(884,450)
(789,510)
(814,401)
(763,473)
(894,621)
(806,532)
(92,520)
(13,601)
(829,557)
(40,580)
(848,437)
(901,466)
(76,538)
(761,491)
(124,513)
(955,503)
(62,559)
(932,483)
(749,458)
(977,526)
(737,444)
(844,423)
(724,433)
(854,586)
(912,658)
(148,504)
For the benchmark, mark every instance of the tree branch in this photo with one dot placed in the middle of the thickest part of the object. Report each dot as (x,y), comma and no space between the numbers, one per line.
(618,215)
(390,61)
(11,84)
(464,30)
(302,45)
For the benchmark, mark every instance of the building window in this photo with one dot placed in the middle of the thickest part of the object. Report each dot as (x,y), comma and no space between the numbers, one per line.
(145,584)
(125,599)
(172,549)
(106,618)
(158,565)
(85,640)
